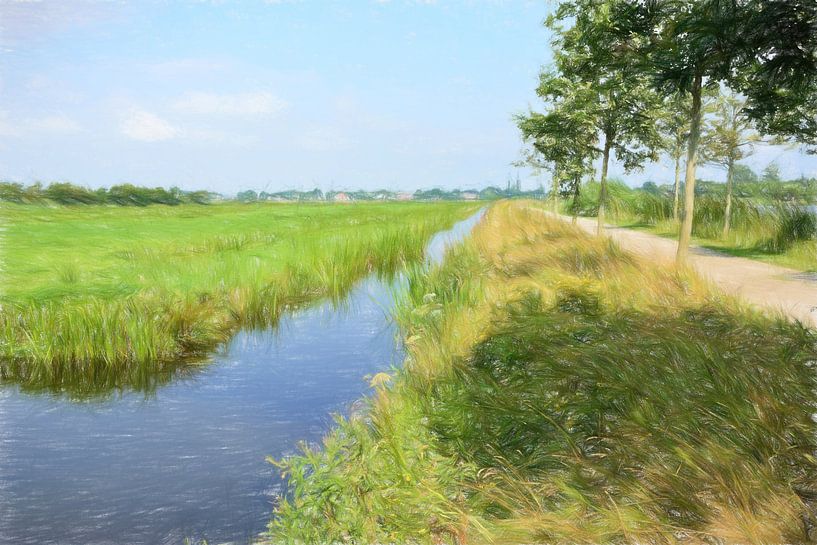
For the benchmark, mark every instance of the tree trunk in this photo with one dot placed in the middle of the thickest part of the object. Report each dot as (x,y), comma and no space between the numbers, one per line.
(692,159)
(554,193)
(577,184)
(676,193)
(603,183)
(727,212)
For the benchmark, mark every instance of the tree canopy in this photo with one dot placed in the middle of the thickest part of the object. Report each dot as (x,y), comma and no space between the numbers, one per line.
(639,71)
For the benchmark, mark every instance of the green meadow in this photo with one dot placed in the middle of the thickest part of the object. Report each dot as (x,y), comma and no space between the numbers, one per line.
(95,297)
(556,389)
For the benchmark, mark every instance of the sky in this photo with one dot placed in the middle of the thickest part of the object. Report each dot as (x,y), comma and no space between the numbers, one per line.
(282,94)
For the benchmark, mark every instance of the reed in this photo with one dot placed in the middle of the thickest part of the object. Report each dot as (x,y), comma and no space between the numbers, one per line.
(778,231)
(559,390)
(98,298)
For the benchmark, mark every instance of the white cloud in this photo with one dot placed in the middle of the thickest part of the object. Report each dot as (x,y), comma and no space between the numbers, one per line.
(148,127)
(54,124)
(49,124)
(258,103)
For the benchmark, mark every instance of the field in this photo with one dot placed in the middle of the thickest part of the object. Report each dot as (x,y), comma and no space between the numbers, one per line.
(556,388)
(560,390)
(95,297)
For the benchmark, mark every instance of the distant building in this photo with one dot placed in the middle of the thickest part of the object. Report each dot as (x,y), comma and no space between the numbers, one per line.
(341,197)
(405,197)
(469,195)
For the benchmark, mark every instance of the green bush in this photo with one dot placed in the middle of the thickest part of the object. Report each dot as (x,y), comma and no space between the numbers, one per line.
(65,193)
(794,224)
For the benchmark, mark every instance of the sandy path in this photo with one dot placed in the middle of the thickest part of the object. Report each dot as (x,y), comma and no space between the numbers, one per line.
(769,286)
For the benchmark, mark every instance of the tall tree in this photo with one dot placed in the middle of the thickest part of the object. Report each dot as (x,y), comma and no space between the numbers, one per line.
(673,125)
(683,45)
(623,106)
(729,139)
(564,137)
(764,49)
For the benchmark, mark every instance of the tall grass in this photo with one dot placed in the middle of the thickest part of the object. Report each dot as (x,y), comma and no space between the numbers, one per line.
(96,300)
(558,390)
(782,231)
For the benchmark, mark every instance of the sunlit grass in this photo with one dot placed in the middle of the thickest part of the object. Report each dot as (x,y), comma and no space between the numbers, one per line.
(560,390)
(782,233)
(101,297)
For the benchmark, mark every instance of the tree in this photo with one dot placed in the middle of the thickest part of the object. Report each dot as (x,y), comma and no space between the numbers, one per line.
(12,192)
(764,49)
(729,139)
(565,137)
(771,174)
(67,193)
(777,66)
(651,188)
(247,196)
(743,174)
(673,125)
(682,45)
(623,106)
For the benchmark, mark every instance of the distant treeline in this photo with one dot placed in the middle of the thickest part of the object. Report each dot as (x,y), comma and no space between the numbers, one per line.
(122,195)
(489,193)
(65,193)
(750,186)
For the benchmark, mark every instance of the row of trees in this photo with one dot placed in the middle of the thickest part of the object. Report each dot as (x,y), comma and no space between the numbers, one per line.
(765,189)
(513,190)
(131,195)
(122,195)
(695,80)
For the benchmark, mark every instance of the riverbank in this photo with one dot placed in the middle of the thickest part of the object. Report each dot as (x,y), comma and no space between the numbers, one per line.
(99,297)
(559,389)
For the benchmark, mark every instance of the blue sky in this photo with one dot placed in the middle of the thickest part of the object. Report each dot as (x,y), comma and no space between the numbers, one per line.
(227,96)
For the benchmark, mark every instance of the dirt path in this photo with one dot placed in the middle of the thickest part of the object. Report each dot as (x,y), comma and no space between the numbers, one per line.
(769,286)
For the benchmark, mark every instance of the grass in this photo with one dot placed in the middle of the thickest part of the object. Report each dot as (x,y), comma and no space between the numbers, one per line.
(560,390)
(780,233)
(100,297)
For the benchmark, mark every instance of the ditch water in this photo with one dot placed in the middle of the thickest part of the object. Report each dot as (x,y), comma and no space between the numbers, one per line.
(188,461)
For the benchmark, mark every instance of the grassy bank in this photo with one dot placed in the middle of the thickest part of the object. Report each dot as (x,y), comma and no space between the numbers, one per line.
(96,297)
(559,390)
(783,233)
